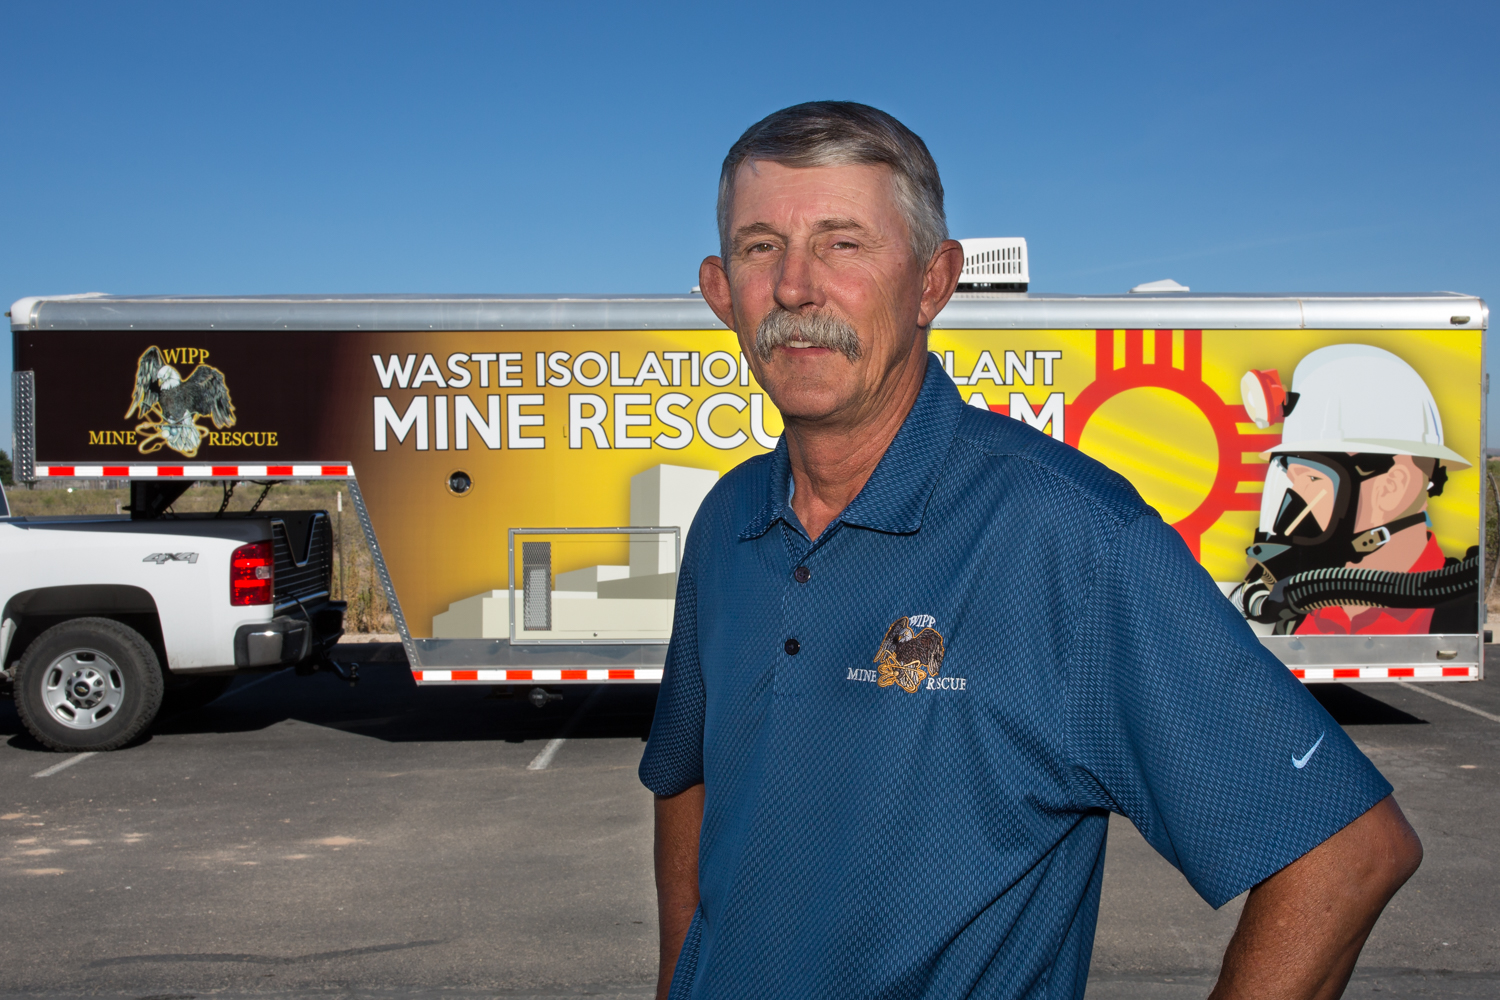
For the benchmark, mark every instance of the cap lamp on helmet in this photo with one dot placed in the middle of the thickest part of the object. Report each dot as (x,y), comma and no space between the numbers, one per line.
(1264,397)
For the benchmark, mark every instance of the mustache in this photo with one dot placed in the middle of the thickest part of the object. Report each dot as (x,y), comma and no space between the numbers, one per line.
(820,329)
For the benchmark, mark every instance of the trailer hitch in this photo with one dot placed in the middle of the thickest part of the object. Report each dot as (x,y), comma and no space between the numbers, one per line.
(344,671)
(538,696)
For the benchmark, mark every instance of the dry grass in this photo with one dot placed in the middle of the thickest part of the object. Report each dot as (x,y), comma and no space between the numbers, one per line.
(354,576)
(1491,537)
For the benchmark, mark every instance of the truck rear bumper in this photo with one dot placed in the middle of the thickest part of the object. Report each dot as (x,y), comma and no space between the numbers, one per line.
(290,639)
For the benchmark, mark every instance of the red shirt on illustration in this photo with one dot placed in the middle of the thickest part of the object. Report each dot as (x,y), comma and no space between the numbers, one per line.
(1379,621)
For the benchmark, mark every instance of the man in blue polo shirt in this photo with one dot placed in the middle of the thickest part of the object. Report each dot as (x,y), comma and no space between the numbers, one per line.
(921,651)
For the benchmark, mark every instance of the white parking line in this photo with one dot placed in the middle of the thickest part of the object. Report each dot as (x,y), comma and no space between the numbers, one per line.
(64,765)
(541,760)
(1422,689)
(544,759)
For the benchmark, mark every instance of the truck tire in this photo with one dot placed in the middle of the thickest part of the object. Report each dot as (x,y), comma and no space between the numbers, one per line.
(88,684)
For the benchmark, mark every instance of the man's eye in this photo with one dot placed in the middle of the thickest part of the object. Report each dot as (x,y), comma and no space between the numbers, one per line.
(760,248)
(845,245)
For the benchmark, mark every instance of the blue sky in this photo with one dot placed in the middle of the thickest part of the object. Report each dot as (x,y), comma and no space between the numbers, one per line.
(381,147)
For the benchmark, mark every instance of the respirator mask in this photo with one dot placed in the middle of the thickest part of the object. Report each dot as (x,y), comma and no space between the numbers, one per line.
(1308,510)
(1306,543)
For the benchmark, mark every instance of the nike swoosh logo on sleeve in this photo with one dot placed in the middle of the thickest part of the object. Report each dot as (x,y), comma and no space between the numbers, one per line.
(1300,762)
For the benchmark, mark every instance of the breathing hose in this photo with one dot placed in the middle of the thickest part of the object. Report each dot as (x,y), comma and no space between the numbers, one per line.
(1321,588)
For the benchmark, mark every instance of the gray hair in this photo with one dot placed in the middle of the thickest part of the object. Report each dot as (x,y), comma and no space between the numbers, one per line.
(841,133)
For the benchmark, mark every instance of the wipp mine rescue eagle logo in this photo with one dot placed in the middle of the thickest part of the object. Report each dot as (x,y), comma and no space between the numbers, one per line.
(908,657)
(170,406)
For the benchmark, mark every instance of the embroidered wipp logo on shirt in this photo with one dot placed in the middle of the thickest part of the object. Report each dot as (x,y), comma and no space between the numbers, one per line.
(907,656)
(1300,762)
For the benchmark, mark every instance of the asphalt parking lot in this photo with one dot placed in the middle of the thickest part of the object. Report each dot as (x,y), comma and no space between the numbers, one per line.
(300,837)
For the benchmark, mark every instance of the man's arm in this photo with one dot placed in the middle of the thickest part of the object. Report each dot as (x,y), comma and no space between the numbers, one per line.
(1303,928)
(679,820)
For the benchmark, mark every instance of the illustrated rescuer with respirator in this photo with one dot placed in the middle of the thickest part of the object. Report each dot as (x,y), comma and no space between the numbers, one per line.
(1345,546)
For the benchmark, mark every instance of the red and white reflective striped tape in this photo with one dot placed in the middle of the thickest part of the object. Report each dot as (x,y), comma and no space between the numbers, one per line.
(499,676)
(195,471)
(496,676)
(1383,673)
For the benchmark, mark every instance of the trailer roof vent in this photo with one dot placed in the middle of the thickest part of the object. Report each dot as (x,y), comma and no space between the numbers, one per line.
(995,264)
(1165,285)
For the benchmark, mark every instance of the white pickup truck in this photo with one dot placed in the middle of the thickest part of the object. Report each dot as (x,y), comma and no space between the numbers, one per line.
(101,617)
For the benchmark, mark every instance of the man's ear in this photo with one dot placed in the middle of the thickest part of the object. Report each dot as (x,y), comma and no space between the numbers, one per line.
(1391,492)
(940,280)
(713,282)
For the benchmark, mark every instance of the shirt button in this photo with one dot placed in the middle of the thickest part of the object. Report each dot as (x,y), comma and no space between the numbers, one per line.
(791,647)
(801,574)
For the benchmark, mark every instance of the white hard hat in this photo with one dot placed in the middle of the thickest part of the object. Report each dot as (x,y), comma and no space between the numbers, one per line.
(1361,399)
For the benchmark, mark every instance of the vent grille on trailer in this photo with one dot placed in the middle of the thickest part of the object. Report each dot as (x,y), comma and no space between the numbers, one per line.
(536,586)
(995,264)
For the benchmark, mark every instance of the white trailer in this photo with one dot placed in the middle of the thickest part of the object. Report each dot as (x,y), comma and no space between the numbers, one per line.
(526,466)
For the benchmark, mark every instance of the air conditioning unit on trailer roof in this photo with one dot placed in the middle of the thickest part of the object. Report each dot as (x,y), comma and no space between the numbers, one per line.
(995,264)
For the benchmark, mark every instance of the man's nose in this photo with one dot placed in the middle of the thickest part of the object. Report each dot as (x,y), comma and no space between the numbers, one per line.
(796,281)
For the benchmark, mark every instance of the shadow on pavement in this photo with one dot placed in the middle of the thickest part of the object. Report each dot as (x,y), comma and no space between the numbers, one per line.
(1353,707)
(387,705)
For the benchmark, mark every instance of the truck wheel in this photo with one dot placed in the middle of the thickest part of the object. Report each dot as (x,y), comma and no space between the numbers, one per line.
(88,684)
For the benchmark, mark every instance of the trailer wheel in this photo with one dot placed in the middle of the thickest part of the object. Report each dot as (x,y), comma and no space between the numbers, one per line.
(88,684)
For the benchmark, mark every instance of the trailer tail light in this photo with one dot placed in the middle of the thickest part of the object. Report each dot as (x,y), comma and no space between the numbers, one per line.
(251,574)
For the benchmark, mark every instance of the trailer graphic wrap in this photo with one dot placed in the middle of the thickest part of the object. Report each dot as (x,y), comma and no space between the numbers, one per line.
(1164,408)
(110,397)
(546,430)
(458,437)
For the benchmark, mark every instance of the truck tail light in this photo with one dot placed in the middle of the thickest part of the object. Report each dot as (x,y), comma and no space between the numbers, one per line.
(251,574)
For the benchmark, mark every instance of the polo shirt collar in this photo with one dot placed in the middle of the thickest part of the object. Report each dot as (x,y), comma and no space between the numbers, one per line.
(895,497)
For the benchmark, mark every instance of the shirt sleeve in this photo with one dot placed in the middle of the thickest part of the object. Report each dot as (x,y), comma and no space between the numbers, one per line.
(673,761)
(1182,721)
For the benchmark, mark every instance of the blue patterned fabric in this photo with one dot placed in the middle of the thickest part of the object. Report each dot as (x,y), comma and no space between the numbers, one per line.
(862,840)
